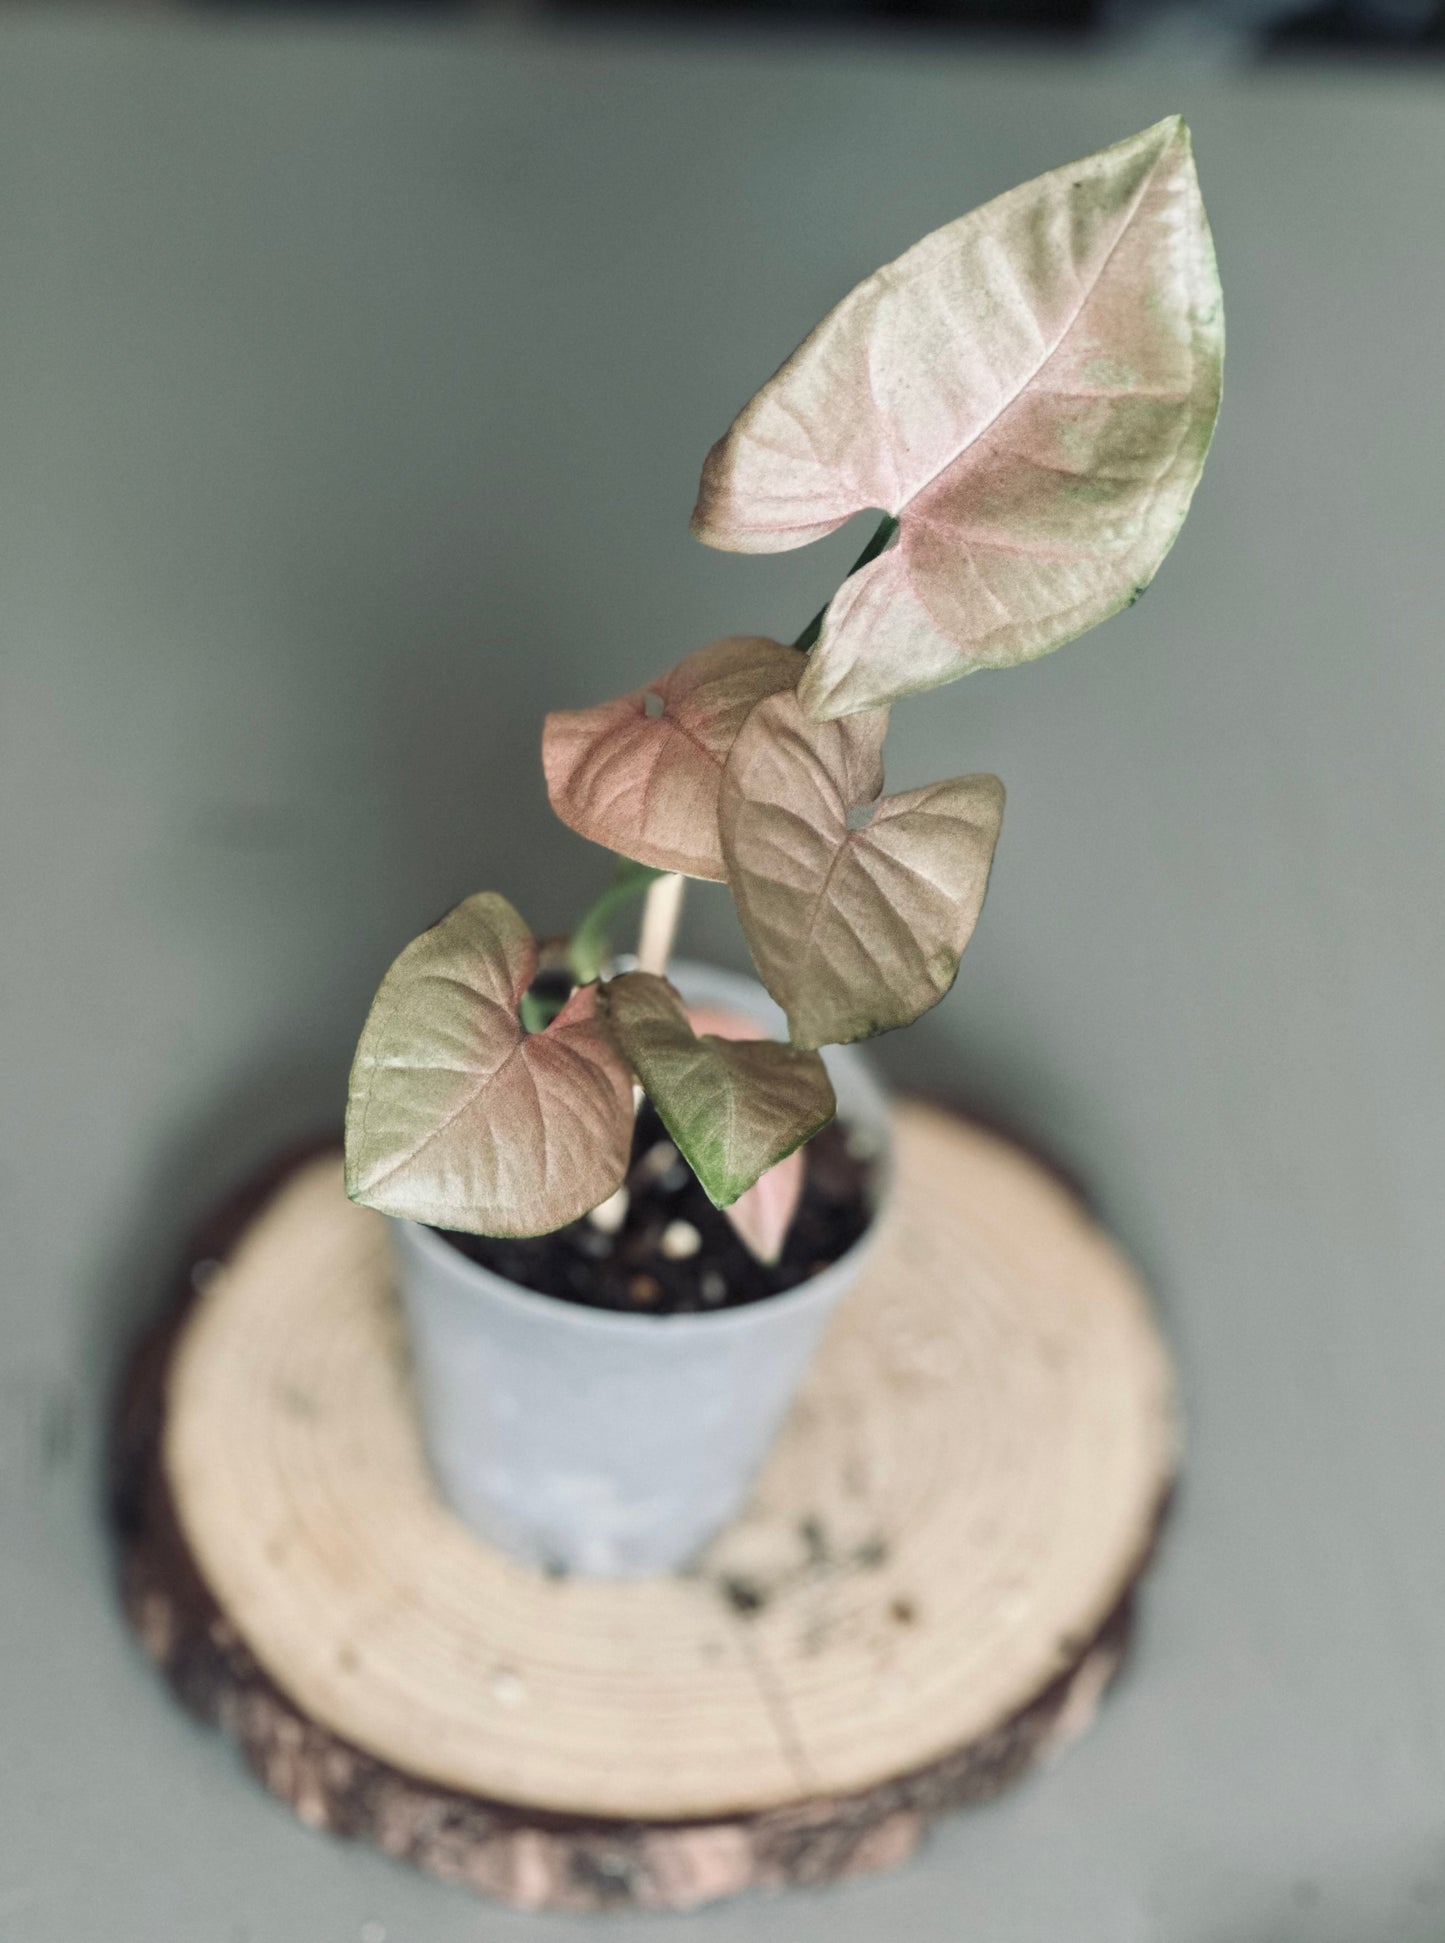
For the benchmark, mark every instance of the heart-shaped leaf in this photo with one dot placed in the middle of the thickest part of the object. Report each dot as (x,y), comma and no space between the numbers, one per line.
(856,922)
(641,775)
(763,1215)
(1030,391)
(735,1107)
(458,1116)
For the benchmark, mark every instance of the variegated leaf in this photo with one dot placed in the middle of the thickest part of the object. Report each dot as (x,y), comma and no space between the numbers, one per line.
(641,775)
(762,1216)
(1030,391)
(856,922)
(456,1114)
(734,1107)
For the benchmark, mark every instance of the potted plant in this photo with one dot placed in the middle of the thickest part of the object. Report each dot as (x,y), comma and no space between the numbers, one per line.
(626,1207)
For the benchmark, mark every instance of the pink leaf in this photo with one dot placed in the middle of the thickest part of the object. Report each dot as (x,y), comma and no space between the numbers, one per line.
(1030,391)
(763,1216)
(644,780)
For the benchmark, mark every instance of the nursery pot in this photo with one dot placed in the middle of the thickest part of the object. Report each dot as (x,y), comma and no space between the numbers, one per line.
(616,1444)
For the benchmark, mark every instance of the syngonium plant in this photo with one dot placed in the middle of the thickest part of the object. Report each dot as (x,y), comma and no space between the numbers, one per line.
(1027,397)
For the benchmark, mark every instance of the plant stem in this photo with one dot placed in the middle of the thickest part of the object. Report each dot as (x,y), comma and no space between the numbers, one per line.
(660,912)
(590,945)
(887,527)
(537,1013)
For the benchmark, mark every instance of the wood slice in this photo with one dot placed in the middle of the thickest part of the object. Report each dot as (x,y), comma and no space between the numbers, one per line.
(926,1597)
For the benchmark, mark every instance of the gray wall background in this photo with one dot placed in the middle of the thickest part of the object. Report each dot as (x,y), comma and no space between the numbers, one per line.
(354,386)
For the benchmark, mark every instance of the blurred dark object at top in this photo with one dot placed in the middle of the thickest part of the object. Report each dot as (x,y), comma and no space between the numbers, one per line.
(1408,25)
(1270,27)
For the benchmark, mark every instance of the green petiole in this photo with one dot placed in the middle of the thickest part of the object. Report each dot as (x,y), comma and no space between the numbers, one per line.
(590,946)
(887,527)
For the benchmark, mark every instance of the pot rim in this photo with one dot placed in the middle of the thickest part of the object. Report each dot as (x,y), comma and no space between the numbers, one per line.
(580,1315)
(430,1244)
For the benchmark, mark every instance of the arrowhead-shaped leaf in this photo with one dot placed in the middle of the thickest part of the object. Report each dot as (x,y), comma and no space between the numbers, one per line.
(458,1116)
(642,778)
(1030,391)
(763,1215)
(854,930)
(735,1107)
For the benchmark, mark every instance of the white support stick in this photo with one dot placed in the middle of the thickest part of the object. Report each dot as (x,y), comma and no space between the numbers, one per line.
(661,909)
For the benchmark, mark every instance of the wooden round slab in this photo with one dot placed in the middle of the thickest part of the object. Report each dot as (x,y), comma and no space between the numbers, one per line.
(926,1597)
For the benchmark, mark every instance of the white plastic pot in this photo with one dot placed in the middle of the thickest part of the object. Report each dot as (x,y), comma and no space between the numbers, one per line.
(609,1444)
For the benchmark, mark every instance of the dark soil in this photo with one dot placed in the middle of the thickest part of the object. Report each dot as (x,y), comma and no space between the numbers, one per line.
(633,1270)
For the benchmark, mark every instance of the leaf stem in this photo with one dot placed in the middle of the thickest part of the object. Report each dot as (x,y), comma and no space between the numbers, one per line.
(887,527)
(536,1013)
(590,945)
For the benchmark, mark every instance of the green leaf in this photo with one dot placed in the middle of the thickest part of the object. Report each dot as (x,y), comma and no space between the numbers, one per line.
(735,1107)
